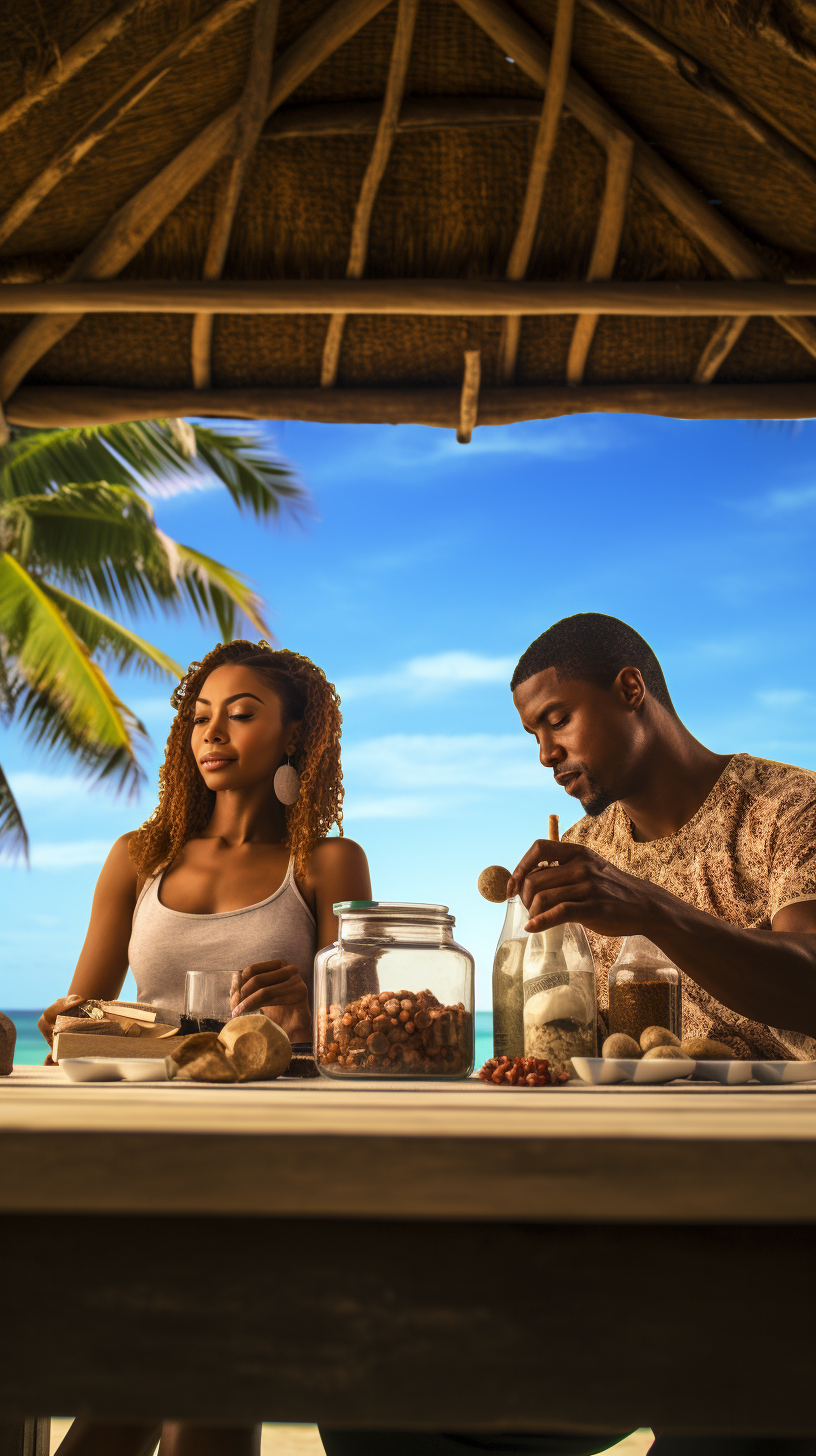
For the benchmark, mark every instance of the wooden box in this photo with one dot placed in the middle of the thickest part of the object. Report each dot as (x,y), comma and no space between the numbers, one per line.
(97,1044)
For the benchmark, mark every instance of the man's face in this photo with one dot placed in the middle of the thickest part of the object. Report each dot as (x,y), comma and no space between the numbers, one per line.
(590,737)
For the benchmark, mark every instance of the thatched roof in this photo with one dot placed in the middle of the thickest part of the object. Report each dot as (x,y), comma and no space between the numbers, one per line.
(671,143)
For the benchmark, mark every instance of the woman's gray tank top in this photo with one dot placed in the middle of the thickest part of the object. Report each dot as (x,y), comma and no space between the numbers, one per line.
(166,944)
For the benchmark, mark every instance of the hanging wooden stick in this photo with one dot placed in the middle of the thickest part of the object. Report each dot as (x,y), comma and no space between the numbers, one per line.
(718,348)
(605,249)
(543,149)
(251,117)
(469,402)
(383,142)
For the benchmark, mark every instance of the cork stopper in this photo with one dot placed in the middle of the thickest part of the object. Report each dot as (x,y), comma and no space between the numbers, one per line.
(552,827)
(492,883)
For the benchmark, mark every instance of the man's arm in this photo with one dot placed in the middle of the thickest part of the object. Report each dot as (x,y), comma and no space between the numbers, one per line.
(766,975)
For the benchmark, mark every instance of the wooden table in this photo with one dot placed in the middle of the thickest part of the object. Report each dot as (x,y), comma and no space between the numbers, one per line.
(415,1256)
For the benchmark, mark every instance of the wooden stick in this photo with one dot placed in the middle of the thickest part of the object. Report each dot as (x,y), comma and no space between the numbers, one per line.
(686,68)
(106,118)
(543,149)
(425,113)
(251,115)
(528,49)
(605,249)
(437,297)
(469,399)
(72,60)
(133,223)
(718,348)
(386,131)
(41,405)
(552,828)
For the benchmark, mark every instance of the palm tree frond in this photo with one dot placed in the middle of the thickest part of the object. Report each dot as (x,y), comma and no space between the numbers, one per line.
(101,634)
(213,589)
(255,482)
(13,836)
(36,461)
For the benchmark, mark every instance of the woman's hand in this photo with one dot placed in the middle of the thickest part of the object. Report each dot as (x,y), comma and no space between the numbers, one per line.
(49,1016)
(277,989)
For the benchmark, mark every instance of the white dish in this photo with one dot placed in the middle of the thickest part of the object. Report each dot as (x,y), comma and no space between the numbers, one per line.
(112,1069)
(785,1071)
(732,1074)
(602,1071)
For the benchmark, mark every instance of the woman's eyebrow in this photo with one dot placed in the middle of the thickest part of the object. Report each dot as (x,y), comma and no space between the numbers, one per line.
(233,699)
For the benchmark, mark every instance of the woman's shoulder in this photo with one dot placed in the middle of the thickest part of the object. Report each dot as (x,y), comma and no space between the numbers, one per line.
(336,854)
(119,871)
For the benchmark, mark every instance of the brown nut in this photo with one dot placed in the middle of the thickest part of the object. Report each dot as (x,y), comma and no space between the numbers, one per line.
(406,1003)
(422,1019)
(657,1036)
(492,883)
(381,1023)
(391,1007)
(363,1028)
(661,1053)
(705,1049)
(621,1045)
(377,1043)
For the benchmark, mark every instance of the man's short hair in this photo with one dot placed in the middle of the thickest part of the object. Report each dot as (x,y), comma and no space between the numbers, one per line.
(593,648)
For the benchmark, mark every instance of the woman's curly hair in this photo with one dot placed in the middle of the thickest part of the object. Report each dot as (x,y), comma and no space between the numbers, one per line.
(186,804)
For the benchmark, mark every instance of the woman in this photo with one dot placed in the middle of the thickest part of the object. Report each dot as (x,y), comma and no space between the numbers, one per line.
(224,874)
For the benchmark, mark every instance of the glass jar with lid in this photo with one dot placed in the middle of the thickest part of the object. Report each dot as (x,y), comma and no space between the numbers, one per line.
(560,1003)
(644,989)
(394,995)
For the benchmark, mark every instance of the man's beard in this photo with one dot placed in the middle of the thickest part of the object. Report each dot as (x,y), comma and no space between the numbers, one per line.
(597,798)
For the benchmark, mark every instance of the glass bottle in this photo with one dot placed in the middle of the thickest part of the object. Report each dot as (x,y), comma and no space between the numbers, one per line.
(560,1003)
(644,989)
(508,994)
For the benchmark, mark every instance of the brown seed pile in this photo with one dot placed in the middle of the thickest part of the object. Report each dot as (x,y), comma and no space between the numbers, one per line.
(397,1033)
(634,1005)
(521,1072)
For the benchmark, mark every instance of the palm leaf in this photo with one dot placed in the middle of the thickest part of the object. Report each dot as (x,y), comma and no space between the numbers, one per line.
(214,590)
(254,481)
(101,634)
(67,703)
(35,461)
(13,836)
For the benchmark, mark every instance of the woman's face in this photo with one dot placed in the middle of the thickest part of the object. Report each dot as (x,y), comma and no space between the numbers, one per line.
(240,735)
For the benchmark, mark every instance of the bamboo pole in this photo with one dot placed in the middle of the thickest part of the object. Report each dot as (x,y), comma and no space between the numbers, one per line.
(605,249)
(469,398)
(70,62)
(130,227)
(251,116)
(436,297)
(423,113)
(386,132)
(105,119)
(719,347)
(558,74)
(685,204)
(41,405)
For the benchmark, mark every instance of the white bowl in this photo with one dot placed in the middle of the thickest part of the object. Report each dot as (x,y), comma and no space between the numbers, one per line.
(113,1069)
(785,1071)
(601,1071)
(733,1074)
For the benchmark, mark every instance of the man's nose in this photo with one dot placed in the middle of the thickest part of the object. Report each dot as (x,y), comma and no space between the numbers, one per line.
(549,753)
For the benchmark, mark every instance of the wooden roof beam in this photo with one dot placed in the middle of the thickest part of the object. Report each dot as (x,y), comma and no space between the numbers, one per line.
(469,398)
(687,206)
(251,117)
(557,77)
(419,113)
(605,248)
(384,140)
(105,119)
(133,223)
(70,62)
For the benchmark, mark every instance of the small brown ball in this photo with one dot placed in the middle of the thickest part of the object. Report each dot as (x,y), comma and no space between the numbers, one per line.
(705,1049)
(657,1036)
(620,1045)
(658,1053)
(492,883)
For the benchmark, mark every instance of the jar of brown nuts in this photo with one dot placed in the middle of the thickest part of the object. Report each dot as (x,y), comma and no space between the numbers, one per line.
(394,994)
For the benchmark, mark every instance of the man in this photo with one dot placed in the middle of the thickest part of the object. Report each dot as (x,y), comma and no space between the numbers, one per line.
(712,856)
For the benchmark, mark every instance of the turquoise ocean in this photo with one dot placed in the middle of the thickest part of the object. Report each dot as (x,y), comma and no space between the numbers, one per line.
(31,1049)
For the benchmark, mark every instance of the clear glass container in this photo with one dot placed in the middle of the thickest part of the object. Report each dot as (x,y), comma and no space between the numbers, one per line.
(207,1000)
(508,990)
(644,989)
(394,994)
(560,1002)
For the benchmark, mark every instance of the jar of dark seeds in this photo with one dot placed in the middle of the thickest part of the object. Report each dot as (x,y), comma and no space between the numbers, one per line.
(644,990)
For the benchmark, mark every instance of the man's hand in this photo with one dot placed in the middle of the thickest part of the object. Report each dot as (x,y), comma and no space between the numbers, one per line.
(579,885)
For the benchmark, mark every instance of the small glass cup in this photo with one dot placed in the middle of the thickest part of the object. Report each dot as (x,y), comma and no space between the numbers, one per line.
(207,1000)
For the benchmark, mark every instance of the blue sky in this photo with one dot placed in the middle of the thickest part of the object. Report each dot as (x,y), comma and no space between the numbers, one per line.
(423,572)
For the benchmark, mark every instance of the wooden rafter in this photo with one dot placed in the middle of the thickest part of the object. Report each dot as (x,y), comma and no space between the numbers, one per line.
(686,205)
(537,177)
(440,297)
(422,113)
(469,398)
(605,248)
(45,404)
(251,116)
(131,226)
(106,118)
(718,348)
(384,140)
(771,134)
(72,60)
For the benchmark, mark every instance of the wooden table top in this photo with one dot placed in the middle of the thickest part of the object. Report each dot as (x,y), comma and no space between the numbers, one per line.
(463,1150)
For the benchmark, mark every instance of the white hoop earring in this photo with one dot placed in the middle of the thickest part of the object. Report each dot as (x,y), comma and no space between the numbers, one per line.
(286,783)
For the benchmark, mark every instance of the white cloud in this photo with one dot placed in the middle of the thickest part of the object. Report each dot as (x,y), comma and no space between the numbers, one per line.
(32,789)
(71,855)
(395,806)
(444,672)
(438,762)
(783,697)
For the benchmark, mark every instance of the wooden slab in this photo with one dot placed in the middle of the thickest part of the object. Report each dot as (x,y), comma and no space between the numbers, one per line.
(461,1151)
